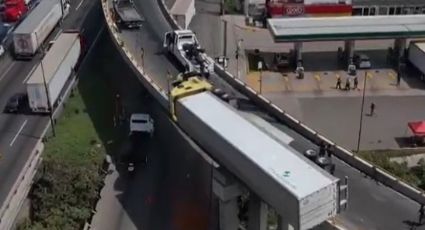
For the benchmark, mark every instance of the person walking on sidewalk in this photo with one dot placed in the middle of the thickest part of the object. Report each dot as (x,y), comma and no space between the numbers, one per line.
(356,83)
(338,82)
(398,79)
(372,109)
(347,84)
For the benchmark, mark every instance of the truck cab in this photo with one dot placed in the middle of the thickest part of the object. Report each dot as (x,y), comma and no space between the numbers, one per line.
(141,123)
(14,10)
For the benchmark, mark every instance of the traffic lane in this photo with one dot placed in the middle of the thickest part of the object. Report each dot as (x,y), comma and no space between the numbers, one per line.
(153,15)
(370,204)
(155,63)
(19,146)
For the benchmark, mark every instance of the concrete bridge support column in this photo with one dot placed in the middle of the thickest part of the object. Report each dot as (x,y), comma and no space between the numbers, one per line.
(283,224)
(399,47)
(257,213)
(298,47)
(349,47)
(227,190)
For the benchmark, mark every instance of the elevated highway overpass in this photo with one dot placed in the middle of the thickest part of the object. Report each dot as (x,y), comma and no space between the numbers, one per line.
(132,42)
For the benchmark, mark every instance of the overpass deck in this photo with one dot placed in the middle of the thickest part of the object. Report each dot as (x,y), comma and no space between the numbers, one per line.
(347,28)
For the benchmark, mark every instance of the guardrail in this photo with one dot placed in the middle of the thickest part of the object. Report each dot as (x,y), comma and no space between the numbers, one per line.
(20,188)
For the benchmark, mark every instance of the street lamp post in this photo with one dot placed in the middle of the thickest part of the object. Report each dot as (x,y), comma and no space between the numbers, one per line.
(361,112)
(260,68)
(238,48)
(52,124)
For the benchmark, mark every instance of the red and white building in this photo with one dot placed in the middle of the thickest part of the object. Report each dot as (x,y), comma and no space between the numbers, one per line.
(308,8)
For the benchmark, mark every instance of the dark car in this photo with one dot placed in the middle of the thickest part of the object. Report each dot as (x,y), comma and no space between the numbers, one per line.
(16,103)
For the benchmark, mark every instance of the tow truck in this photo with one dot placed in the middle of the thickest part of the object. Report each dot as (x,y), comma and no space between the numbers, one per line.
(184,46)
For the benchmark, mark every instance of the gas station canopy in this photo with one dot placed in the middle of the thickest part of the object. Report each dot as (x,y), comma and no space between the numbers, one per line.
(347,28)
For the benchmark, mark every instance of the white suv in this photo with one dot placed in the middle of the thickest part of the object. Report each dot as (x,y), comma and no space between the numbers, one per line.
(140,122)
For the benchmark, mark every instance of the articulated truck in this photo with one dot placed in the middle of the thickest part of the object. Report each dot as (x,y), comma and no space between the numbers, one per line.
(47,81)
(297,188)
(36,27)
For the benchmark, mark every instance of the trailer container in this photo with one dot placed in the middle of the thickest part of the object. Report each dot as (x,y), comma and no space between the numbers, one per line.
(300,191)
(183,12)
(36,27)
(53,72)
(417,55)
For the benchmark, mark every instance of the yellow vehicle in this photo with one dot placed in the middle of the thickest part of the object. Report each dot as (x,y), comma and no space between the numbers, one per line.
(186,84)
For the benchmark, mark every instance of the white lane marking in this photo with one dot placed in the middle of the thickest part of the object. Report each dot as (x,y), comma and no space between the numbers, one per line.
(7,70)
(19,132)
(79,4)
(29,74)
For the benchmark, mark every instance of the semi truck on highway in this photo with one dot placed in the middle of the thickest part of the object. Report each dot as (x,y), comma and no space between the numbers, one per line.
(47,81)
(37,26)
(184,46)
(299,190)
(128,16)
(416,56)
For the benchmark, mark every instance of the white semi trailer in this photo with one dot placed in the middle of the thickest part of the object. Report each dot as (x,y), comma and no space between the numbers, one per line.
(299,191)
(36,27)
(416,55)
(53,72)
(184,46)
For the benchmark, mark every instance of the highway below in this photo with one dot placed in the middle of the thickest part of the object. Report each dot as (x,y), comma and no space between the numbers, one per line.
(20,132)
(371,205)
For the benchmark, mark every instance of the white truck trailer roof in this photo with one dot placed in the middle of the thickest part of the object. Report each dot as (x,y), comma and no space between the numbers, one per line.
(302,191)
(51,62)
(32,21)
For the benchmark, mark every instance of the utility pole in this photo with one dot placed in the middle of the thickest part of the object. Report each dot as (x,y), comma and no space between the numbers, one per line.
(52,123)
(361,112)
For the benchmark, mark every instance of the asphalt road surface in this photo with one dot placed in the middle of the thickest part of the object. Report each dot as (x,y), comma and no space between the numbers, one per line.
(20,132)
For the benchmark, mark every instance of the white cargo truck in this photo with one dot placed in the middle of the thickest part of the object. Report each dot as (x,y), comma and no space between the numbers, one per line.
(37,26)
(183,12)
(53,73)
(298,190)
(184,46)
(416,56)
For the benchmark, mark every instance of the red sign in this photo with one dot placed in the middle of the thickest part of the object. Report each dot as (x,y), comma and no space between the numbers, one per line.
(294,9)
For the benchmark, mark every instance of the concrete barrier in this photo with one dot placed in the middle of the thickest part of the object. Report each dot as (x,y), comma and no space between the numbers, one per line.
(373,171)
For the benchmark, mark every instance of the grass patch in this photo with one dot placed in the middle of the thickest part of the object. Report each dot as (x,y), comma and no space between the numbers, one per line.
(381,158)
(67,184)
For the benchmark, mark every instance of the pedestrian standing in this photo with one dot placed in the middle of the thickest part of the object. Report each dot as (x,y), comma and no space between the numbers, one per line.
(347,84)
(328,150)
(338,82)
(421,214)
(356,82)
(372,109)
